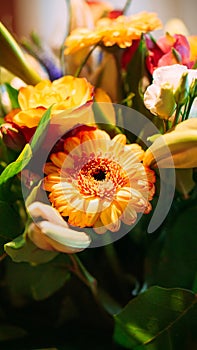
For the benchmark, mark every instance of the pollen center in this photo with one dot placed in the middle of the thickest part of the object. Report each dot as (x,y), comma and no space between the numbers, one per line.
(101,177)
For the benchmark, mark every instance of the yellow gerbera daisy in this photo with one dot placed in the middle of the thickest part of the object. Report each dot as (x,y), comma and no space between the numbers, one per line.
(120,31)
(99,182)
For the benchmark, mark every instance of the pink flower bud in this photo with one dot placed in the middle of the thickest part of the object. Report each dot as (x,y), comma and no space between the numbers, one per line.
(12,136)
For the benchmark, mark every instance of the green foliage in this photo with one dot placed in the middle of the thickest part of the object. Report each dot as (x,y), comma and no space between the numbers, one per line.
(25,156)
(22,249)
(36,281)
(13,59)
(13,95)
(10,225)
(18,165)
(171,260)
(41,130)
(136,81)
(8,332)
(156,319)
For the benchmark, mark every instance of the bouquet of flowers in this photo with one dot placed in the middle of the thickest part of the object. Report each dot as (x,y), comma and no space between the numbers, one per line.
(98,158)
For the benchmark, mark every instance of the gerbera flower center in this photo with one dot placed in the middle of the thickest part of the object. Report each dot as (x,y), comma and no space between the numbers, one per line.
(101,177)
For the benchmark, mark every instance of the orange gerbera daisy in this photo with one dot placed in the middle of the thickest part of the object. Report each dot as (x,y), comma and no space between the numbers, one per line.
(119,31)
(99,182)
(66,93)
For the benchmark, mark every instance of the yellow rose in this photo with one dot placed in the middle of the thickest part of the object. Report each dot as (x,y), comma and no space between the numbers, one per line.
(67,93)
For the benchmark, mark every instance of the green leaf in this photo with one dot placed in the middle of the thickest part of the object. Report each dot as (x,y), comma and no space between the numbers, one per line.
(172,262)
(10,226)
(136,70)
(25,156)
(22,249)
(134,81)
(156,318)
(13,95)
(48,280)
(36,281)
(8,332)
(40,132)
(19,164)
(13,59)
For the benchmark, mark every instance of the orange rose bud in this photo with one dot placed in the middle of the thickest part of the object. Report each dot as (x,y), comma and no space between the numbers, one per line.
(12,136)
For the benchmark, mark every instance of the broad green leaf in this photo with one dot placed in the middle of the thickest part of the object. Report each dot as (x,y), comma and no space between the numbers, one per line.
(25,156)
(37,194)
(22,249)
(40,132)
(135,82)
(19,164)
(48,280)
(173,261)
(13,59)
(13,95)
(8,332)
(37,281)
(156,318)
(136,70)
(10,226)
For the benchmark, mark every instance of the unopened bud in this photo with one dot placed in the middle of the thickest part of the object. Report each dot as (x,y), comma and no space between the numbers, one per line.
(12,137)
(182,92)
(193,88)
(165,104)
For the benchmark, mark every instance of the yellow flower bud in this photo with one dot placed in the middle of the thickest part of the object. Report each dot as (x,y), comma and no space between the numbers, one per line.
(182,92)
(182,143)
(165,104)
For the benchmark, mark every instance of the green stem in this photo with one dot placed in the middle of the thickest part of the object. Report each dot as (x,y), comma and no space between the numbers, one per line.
(113,259)
(126,6)
(79,69)
(80,271)
(177,115)
(191,100)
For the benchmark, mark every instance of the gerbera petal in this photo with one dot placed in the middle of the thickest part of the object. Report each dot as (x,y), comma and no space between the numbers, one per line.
(129,215)
(58,159)
(100,179)
(110,218)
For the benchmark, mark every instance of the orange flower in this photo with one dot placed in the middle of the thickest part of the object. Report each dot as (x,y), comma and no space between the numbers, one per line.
(66,93)
(99,182)
(193,47)
(120,31)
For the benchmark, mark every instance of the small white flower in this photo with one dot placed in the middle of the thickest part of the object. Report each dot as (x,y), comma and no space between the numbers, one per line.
(167,76)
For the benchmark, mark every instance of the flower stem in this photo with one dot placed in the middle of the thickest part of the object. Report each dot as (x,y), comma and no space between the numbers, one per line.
(176,118)
(80,271)
(126,6)
(191,100)
(79,69)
